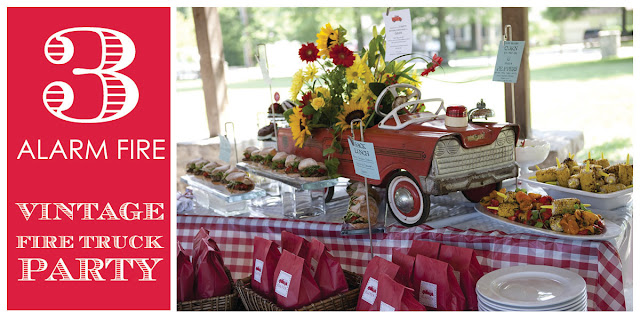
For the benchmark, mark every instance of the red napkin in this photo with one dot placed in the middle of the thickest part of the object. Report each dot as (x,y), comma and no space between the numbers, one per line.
(466,269)
(294,285)
(406,262)
(436,286)
(185,275)
(394,296)
(265,260)
(425,248)
(369,288)
(211,278)
(326,270)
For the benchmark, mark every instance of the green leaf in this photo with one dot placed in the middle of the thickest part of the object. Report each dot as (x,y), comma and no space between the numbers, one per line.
(308,109)
(332,167)
(539,224)
(327,151)
(287,114)
(534,215)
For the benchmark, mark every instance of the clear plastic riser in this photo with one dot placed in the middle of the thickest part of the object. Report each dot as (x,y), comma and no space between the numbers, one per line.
(297,203)
(206,200)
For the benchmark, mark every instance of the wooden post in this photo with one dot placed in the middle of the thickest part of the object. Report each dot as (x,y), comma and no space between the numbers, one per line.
(519,21)
(209,39)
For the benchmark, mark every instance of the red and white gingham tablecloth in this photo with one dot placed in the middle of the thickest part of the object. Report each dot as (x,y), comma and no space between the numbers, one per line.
(597,262)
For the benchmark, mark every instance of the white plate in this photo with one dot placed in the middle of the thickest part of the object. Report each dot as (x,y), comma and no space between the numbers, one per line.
(605,201)
(579,303)
(611,230)
(531,286)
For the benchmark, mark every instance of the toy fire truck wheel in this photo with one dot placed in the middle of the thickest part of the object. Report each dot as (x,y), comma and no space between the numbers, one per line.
(409,205)
(476,194)
(328,194)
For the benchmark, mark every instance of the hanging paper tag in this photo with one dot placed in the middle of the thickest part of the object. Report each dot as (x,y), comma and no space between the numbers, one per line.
(364,159)
(225,149)
(508,61)
(265,71)
(399,35)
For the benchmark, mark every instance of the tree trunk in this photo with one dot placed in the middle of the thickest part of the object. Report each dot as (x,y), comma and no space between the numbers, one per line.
(624,21)
(358,21)
(442,30)
(214,85)
(246,44)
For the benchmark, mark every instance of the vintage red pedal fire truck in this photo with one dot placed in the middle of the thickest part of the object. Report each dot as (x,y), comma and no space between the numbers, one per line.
(419,156)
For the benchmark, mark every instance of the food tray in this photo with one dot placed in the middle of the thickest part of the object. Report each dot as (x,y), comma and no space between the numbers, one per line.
(341,302)
(604,201)
(227,302)
(611,230)
(295,182)
(220,190)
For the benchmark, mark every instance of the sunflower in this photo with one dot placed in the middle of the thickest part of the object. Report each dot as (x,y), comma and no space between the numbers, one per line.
(299,129)
(352,110)
(327,38)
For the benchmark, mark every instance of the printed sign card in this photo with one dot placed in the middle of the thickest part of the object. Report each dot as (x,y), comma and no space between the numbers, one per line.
(364,159)
(88,148)
(508,61)
(398,34)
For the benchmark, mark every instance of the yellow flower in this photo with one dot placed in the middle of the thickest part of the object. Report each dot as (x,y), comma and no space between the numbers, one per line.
(353,110)
(299,129)
(362,92)
(327,38)
(310,72)
(317,103)
(296,84)
(355,72)
(323,92)
(417,83)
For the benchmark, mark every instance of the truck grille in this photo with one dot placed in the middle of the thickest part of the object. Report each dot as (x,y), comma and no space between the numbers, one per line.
(451,158)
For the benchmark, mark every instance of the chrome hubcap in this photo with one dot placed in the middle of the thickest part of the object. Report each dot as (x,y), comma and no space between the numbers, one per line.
(403,200)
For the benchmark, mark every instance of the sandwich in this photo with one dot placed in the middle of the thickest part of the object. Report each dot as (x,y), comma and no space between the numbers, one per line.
(239,182)
(191,165)
(228,172)
(291,165)
(218,173)
(198,167)
(360,191)
(311,170)
(208,168)
(277,163)
(247,153)
(357,215)
(256,156)
(267,155)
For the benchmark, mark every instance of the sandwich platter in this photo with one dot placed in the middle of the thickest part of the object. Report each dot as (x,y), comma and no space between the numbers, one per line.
(220,191)
(532,288)
(296,182)
(611,230)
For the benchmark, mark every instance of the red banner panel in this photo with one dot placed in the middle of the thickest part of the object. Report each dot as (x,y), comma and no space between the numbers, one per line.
(88,212)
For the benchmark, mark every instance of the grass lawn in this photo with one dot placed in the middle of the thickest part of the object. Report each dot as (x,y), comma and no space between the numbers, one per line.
(593,97)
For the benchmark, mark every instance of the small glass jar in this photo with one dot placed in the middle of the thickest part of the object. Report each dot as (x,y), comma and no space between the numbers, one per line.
(456,116)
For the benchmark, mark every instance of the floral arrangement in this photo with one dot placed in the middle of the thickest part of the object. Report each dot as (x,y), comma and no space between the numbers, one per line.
(338,86)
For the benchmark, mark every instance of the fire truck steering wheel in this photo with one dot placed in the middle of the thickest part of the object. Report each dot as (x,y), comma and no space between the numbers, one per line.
(394,91)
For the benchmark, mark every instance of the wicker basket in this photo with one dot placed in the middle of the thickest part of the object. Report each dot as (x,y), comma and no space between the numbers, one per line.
(227,302)
(344,301)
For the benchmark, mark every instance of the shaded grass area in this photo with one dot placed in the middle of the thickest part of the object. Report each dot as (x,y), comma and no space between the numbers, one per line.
(581,71)
(615,149)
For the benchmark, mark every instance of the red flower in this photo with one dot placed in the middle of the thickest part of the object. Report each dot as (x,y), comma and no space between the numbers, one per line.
(308,52)
(306,98)
(341,55)
(431,66)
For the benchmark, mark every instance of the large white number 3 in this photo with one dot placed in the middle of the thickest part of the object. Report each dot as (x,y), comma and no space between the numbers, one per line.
(120,93)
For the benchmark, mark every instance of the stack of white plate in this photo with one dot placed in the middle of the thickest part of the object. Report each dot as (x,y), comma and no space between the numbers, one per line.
(532,288)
